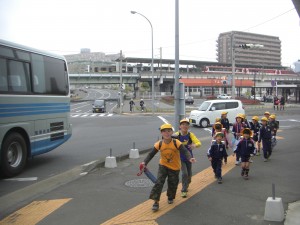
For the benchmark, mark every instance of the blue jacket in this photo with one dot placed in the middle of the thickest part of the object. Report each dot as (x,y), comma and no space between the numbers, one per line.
(217,151)
(265,133)
(246,147)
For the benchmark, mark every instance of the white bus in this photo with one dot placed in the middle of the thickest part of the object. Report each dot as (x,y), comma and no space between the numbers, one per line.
(34,105)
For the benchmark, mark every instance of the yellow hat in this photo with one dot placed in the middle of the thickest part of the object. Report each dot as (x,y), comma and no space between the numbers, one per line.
(165,126)
(255,118)
(273,116)
(239,115)
(185,120)
(247,131)
(264,119)
(218,123)
(218,119)
(243,115)
(267,113)
(224,113)
(219,134)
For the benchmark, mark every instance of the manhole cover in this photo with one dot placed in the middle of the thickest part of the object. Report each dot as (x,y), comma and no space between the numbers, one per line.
(139,183)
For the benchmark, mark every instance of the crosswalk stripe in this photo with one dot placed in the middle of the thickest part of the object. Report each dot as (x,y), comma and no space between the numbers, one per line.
(142,213)
(34,212)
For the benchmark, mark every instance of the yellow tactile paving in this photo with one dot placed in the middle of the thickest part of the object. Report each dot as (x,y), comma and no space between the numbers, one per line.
(34,212)
(142,213)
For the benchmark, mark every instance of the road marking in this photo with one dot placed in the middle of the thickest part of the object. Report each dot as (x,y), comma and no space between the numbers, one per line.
(85,115)
(110,114)
(22,179)
(75,115)
(34,212)
(142,213)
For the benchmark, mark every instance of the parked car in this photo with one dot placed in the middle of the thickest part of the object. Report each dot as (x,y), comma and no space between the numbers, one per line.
(99,106)
(189,100)
(208,111)
(224,96)
(269,98)
(259,98)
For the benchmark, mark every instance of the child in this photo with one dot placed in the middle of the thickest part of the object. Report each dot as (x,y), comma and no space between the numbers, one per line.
(169,164)
(190,141)
(267,115)
(246,123)
(215,154)
(237,128)
(246,149)
(225,121)
(218,120)
(254,127)
(265,136)
(218,127)
(274,125)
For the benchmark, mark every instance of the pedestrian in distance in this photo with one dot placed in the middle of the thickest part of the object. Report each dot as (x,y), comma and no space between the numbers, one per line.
(131,104)
(246,149)
(254,127)
(282,103)
(142,103)
(169,164)
(216,154)
(276,102)
(265,136)
(190,142)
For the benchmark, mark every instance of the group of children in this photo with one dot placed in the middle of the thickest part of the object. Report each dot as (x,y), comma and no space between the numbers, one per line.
(176,151)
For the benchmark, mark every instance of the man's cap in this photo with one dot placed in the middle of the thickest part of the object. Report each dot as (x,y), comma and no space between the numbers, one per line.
(219,134)
(224,113)
(255,118)
(267,113)
(165,126)
(273,116)
(264,119)
(185,120)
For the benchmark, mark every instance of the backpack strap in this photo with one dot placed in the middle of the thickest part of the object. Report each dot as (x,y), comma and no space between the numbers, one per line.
(160,144)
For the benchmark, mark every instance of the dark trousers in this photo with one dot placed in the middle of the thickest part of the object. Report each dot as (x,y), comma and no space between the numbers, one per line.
(173,180)
(267,148)
(216,164)
(186,170)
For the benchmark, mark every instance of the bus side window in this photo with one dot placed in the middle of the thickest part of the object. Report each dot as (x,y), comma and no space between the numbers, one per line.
(3,75)
(3,84)
(18,79)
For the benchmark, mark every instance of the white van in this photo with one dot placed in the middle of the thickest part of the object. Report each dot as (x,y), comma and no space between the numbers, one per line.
(208,111)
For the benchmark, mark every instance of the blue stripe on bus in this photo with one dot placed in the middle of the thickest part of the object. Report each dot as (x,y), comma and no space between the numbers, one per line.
(11,110)
(43,146)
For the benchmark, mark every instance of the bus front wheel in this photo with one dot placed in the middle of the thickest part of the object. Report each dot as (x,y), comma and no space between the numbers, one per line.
(13,155)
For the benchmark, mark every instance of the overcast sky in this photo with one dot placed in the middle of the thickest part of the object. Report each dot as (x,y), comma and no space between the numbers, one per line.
(66,26)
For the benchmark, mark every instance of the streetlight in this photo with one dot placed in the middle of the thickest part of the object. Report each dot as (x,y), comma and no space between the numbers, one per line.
(134,12)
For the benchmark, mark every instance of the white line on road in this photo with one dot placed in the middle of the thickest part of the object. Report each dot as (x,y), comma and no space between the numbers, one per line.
(22,179)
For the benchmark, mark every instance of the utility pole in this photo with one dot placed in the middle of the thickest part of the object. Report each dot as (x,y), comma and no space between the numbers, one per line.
(233,65)
(121,84)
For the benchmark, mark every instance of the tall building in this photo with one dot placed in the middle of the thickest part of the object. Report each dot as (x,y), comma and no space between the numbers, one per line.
(266,56)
